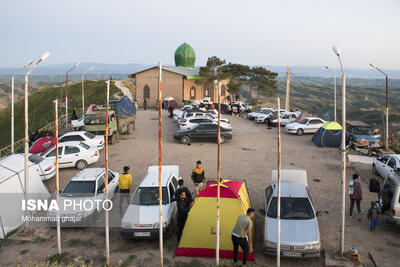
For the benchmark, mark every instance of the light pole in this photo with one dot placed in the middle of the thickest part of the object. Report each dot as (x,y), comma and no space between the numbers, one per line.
(26,143)
(12,103)
(334,91)
(83,89)
(66,92)
(387,105)
(336,50)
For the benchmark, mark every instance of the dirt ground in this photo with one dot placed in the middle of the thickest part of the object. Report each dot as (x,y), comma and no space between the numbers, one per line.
(250,155)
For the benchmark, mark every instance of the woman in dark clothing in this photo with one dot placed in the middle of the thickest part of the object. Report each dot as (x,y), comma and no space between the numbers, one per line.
(355,193)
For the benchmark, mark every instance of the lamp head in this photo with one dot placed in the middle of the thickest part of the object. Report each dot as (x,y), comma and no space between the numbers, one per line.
(372,65)
(91,68)
(336,50)
(45,55)
(326,67)
(29,63)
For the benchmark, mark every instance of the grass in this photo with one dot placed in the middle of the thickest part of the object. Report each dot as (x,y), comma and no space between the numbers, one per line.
(41,107)
(81,243)
(130,86)
(58,258)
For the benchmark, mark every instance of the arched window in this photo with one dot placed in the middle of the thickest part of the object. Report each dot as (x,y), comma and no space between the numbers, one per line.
(223,90)
(193,92)
(146,91)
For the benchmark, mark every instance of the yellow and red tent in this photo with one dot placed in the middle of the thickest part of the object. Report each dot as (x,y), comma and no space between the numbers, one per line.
(199,237)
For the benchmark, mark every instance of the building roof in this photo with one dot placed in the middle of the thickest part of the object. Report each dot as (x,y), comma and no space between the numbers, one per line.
(188,73)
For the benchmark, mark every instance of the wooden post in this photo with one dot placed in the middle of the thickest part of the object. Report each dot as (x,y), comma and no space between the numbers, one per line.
(160,164)
(287,90)
(218,177)
(57,176)
(107,227)
(278,241)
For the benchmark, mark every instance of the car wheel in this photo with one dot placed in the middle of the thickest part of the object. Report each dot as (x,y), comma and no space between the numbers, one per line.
(185,140)
(130,128)
(374,170)
(222,140)
(81,164)
(300,132)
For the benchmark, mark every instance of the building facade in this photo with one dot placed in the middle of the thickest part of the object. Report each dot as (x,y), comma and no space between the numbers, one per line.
(182,81)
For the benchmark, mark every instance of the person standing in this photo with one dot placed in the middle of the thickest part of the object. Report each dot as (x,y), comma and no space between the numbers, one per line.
(373,216)
(145,104)
(198,177)
(181,189)
(355,193)
(124,185)
(239,238)
(183,204)
(171,111)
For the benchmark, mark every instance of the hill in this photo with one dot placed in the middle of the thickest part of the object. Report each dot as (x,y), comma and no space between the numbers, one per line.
(41,106)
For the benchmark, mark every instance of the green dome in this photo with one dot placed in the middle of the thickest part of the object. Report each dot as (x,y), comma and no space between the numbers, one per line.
(185,56)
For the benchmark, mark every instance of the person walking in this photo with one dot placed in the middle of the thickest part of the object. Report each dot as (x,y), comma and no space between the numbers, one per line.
(373,216)
(145,104)
(124,185)
(183,204)
(171,111)
(355,193)
(198,177)
(181,189)
(239,238)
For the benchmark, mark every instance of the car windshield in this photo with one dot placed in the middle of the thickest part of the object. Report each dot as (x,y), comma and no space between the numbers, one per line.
(292,208)
(266,111)
(303,121)
(35,158)
(95,119)
(149,196)
(362,130)
(89,135)
(79,188)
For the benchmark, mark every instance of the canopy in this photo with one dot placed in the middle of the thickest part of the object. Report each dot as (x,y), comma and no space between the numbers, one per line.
(332,125)
(199,235)
(123,107)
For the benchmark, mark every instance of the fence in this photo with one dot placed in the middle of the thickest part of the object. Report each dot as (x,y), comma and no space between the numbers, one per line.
(19,145)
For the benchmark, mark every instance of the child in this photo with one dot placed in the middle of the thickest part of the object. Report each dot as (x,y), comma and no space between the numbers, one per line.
(373,216)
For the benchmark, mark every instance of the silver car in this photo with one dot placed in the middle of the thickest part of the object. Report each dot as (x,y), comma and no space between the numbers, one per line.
(300,235)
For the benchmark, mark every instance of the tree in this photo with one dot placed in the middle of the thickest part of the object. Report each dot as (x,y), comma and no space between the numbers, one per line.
(263,80)
(237,74)
(211,72)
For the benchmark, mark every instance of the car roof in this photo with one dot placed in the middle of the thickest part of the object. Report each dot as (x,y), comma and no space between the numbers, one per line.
(313,118)
(74,133)
(290,175)
(151,178)
(88,174)
(291,190)
(397,156)
(69,143)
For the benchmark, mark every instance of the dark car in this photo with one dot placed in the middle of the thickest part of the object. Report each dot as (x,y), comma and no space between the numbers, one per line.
(202,131)
(224,108)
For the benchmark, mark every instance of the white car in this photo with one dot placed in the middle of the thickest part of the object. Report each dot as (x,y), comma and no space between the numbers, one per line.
(88,187)
(47,167)
(83,136)
(252,115)
(189,123)
(78,123)
(264,116)
(73,154)
(300,236)
(141,219)
(177,113)
(387,165)
(287,118)
(305,125)
(187,115)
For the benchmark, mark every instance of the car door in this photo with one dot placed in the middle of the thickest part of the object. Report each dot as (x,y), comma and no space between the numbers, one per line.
(390,167)
(285,119)
(314,125)
(293,117)
(172,202)
(193,122)
(112,184)
(381,165)
(267,198)
(100,186)
(71,155)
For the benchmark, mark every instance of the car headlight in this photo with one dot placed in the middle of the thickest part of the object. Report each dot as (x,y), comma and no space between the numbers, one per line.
(157,225)
(315,246)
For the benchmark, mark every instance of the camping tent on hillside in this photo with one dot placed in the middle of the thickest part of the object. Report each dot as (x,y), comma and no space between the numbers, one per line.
(329,135)
(199,237)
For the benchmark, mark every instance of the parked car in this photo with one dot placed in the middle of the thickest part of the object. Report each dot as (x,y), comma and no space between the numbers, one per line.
(87,185)
(286,118)
(267,114)
(203,131)
(46,166)
(305,125)
(83,136)
(386,166)
(79,123)
(177,113)
(362,135)
(73,154)
(300,236)
(252,115)
(187,115)
(243,106)
(189,123)
(141,219)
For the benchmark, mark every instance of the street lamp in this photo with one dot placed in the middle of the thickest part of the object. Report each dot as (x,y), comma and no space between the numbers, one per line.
(334,91)
(66,92)
(83,89)
(12,103)
(336,50)
(26,143)
(387,104)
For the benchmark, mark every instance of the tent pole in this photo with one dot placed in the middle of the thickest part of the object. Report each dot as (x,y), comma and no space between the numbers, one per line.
(160,163)
(218,175)
(57,175)
(278,241)
(106,179)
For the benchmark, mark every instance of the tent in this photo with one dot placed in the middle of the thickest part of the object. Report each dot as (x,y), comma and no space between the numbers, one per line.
(329,135)
(124,108)
(12,187)
(169,101)
(42,144)
(199,237)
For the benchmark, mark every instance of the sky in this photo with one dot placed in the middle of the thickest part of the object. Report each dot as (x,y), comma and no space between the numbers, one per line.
(278,33)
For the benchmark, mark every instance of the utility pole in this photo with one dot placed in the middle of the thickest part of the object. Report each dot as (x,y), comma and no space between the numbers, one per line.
(287,89)
(278,217)
(218,177)
(160,165)
(57,176)
(107,226)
